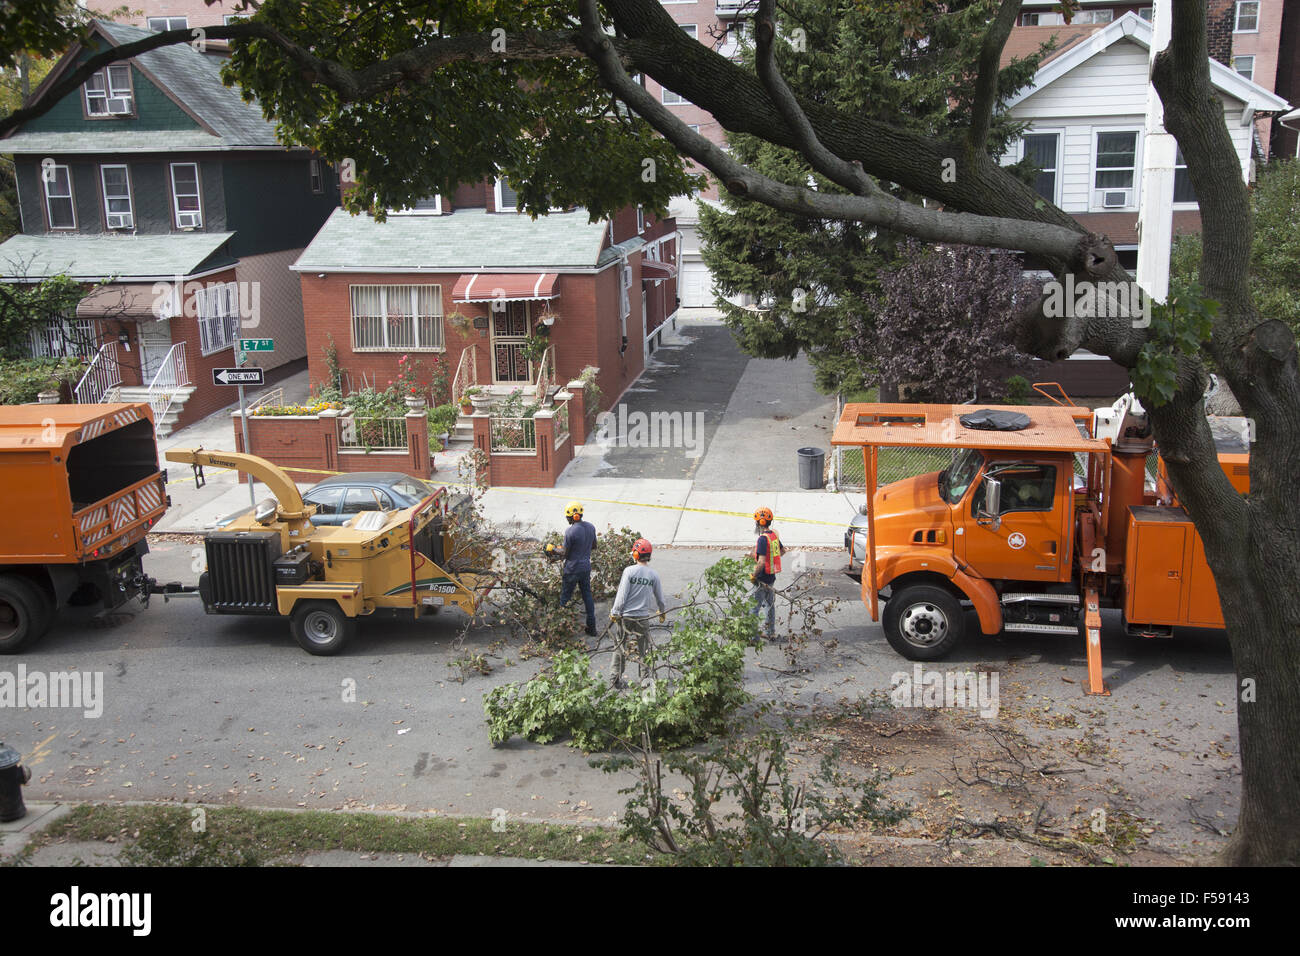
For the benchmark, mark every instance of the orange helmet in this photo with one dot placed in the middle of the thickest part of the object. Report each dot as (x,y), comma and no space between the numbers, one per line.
(641,548)
(763,516)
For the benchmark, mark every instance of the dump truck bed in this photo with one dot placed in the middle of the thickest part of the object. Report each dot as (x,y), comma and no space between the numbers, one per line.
(78,482)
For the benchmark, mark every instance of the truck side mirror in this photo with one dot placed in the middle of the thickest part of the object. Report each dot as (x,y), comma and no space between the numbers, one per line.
(992,508)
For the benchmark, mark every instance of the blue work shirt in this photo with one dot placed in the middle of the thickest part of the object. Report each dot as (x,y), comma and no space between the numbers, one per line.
(579,541)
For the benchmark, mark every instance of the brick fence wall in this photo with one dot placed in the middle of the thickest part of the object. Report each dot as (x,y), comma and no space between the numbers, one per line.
(308,448)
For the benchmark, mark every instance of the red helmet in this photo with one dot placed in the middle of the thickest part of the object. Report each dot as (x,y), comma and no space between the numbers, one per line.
(641,548)
(763,516)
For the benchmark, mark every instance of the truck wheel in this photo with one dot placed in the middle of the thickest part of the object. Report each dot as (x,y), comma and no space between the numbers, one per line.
(923,622)
(25,613)
(321,627)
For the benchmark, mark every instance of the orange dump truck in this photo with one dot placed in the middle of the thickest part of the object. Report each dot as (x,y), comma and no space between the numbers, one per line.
(80,487)
(1044,515)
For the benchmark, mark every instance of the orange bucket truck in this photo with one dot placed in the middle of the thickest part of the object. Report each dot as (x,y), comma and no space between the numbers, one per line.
(1044,515)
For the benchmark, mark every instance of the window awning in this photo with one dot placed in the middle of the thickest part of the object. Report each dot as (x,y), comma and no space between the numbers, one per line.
(652,269)
(507,287)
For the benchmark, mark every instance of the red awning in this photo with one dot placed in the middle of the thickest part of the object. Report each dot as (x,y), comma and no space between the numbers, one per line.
(652,269)
(488,287)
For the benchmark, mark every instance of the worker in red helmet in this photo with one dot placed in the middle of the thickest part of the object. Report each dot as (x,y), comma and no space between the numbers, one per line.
(767,564)
(637,589)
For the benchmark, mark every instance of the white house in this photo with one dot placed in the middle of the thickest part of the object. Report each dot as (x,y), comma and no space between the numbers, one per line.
(1086,109)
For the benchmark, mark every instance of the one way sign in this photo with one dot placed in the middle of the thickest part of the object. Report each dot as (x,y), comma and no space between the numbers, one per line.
(237,376)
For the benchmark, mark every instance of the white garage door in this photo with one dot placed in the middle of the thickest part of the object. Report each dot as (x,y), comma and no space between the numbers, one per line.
(696,285)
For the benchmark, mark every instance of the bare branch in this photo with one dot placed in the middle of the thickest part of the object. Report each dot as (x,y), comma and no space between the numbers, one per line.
(848,175)
(986,83)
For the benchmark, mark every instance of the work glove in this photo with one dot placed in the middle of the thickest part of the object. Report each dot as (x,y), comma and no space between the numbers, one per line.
(661,617)
(753,576)
(614,617)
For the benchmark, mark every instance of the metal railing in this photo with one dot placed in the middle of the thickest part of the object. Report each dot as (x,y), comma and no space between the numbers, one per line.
(103,373)
(545,372)
(561,420)
(514,435)
(171,376)
(466,373)
(372,433)
(274,397)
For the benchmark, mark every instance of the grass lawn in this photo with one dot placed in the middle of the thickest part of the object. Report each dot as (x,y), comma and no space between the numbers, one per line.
(233,836)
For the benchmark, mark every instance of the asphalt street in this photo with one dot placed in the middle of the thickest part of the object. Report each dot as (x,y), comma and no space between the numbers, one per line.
(230,710)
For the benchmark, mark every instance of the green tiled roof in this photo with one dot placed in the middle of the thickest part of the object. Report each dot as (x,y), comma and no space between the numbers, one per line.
(95,258)
(466,239)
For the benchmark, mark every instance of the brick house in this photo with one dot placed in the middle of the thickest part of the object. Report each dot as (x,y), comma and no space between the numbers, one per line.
(472,281)
(160,180)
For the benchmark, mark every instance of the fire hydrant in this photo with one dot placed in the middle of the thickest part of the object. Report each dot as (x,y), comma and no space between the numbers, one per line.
(12,777)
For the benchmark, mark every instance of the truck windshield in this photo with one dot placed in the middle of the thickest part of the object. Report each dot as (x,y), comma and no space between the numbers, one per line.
(956,478)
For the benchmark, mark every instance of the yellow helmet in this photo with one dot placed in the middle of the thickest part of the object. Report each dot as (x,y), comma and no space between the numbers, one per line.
(573,510)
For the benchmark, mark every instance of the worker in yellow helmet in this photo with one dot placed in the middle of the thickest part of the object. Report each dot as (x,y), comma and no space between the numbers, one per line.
(579,542)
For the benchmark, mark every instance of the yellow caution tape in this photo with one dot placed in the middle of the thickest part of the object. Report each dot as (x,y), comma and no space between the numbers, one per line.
(606,501)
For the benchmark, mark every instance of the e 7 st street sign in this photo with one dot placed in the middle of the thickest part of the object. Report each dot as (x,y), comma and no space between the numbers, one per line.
(238,376)
(257,345)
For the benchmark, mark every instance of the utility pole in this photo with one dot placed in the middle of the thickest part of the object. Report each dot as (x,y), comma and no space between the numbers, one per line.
(1159,153)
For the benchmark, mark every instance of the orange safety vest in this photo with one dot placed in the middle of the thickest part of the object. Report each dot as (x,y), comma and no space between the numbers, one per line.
(773,557)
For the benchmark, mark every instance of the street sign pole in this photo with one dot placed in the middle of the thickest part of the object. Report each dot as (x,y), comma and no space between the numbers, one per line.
(243,419)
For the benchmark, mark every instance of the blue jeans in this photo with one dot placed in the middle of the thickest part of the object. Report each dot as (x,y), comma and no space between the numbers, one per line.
(765,596)
(582,581)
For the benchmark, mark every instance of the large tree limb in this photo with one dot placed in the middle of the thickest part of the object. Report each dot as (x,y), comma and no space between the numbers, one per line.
(986,81)
(849,176)
(1088,254)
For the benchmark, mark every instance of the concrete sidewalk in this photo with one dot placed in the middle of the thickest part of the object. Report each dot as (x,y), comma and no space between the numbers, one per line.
(757,413)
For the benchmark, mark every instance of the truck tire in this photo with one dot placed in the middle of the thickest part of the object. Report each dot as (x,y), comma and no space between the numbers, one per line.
(321,627)
(25,613)
(923,622)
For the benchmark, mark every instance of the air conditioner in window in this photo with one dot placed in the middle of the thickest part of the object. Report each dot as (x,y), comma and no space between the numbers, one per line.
(120,220)
(119,106)
(1116,198)
(188,220)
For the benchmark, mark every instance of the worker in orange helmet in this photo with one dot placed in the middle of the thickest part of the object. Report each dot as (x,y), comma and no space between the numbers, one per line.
(767,564)
(639,586)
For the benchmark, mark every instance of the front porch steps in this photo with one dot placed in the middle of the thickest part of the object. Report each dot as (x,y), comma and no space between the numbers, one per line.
(140,393)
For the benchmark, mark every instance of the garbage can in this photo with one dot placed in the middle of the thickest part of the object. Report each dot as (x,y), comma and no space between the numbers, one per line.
(812,468)
(12,777)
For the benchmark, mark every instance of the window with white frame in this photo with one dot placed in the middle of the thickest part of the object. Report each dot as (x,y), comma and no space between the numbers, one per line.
(1183,191)
(397,318)
(505,198)
(230,18)
(314,177)
(1245,65)
(58,197)
(187,206)
(108,92)
(1247,20)
(689,29)
(159,24)
(670,98)
(640,220)
(116,184)
(1147,13)
(428,206)
(61,336)
(217,308)
(1115,174)
(1041,149)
